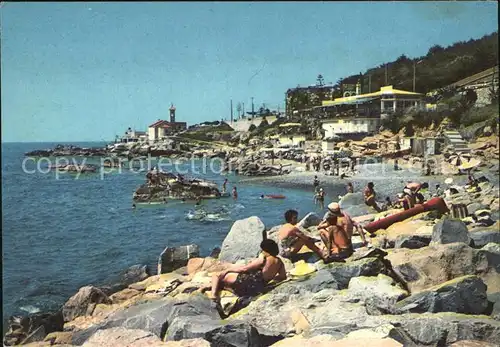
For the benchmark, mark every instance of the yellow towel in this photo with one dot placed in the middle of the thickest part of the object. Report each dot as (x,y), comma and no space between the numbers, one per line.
(302,268)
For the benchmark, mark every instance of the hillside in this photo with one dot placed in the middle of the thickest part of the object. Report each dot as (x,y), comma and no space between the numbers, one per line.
(440,67)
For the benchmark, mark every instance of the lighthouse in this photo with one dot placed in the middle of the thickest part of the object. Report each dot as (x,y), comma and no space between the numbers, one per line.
(172,113)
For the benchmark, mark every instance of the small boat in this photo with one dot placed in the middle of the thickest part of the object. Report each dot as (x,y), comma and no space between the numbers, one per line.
(273,196)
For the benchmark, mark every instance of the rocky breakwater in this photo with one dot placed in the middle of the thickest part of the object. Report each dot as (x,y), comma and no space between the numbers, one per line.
(248,166)
(68,151)
(443,293)
(164,185)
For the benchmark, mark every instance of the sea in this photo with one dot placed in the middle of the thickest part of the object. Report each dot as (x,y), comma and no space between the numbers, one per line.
(62,231)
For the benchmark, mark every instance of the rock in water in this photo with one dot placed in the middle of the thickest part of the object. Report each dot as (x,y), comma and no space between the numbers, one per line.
(450,230)
(243,241)
(465,294)
(84,302)
(134,274)
(173,258)
(33,327)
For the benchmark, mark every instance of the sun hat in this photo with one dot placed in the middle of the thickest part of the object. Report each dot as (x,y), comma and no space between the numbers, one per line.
(334,208)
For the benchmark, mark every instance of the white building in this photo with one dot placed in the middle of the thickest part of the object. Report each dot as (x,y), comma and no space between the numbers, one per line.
(132,136)
(342,126)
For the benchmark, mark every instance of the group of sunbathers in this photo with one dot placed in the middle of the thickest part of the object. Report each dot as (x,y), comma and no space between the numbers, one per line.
(335,232)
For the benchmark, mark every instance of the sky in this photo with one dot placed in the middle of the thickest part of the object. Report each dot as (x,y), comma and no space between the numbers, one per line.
(85,71)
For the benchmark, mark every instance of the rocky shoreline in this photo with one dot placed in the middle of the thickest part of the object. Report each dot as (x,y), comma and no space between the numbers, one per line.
(428,280)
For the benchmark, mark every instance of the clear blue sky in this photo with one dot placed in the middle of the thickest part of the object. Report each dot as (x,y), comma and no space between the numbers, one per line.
(87,71)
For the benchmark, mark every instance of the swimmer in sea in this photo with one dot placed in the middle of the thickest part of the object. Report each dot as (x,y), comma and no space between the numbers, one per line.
(133,206)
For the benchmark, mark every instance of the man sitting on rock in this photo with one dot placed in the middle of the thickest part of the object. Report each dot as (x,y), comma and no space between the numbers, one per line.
(343,221)
(292,239)
(251,279)
(336,239)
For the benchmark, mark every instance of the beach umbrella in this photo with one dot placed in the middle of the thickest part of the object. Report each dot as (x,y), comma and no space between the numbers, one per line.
(458,159)
(472,163)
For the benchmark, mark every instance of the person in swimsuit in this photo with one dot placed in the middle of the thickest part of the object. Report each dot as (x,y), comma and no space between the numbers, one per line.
(350,188)
(251,279)
(320,198)
(412,192)
(235,193)
(292,239)
(224,186)
(316,183)
(370,195)
(344,221)
(337,242)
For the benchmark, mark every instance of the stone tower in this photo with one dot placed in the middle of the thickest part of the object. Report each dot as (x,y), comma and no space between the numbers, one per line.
(172,113)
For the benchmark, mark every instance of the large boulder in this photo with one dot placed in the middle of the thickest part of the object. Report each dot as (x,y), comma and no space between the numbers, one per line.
(153,316)
(426,267)
(311,219)
(84,302)
(33,327)
(449,230)
(173,258)
(465,294)
(133,274)
(381,286)
(237,334)
(483,237)
(243,240)
(354,204)
(412,241)
(117,337)
(344,272)
(445,328)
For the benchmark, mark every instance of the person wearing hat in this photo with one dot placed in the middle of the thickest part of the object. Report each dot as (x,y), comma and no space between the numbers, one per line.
(343,221)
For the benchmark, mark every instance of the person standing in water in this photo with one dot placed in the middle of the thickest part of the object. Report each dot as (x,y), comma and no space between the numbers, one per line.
(224,186)
(235,193)
(370,196)
(350,188)
(320,198)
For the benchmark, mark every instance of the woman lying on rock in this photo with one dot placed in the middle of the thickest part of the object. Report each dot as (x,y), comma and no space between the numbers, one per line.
(251,279)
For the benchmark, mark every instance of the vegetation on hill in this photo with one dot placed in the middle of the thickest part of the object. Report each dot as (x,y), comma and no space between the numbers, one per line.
(440,67)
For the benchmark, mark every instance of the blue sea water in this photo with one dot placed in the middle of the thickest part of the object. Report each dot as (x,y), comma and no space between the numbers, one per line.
(61,234)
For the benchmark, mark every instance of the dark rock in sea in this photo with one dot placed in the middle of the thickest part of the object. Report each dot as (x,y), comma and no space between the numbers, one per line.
(449,230)
(462,295)
(215,252)
(166,185)
(237,334)
(33,327)
(84,302)
(412,241)
(154,316)
(243,240)
(173,258)
(133,274)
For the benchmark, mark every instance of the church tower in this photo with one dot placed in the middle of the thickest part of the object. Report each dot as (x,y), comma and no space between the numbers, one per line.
(172,113)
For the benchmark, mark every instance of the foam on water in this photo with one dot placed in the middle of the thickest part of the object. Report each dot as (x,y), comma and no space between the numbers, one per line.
(30,309)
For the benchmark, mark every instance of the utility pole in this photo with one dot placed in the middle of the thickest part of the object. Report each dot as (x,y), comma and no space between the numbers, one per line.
(385,74)
(243,104)
(252,108)
(369,83)
(231,111)
(414,73)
